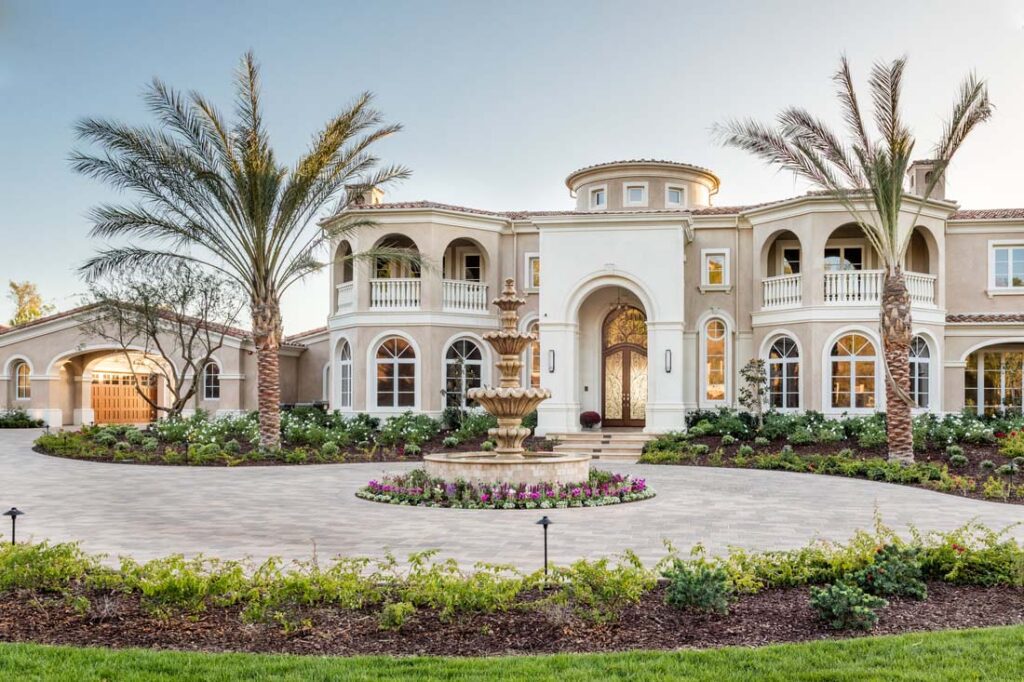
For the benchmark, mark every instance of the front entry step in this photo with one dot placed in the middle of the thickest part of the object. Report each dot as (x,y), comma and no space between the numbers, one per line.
(623,446)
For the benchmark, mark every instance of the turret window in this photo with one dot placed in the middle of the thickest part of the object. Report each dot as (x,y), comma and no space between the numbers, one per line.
(599,198)
(634,194)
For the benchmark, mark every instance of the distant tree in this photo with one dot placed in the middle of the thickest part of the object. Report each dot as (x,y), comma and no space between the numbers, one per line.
(176,315)
(754,393)
(28,304)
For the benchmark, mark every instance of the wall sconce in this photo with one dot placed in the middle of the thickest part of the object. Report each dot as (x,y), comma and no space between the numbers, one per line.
(668,361)
(551,361)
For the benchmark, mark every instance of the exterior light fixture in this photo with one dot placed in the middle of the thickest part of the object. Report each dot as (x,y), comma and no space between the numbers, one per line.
(551,361)
(668,361)
(545,522)
(14,513)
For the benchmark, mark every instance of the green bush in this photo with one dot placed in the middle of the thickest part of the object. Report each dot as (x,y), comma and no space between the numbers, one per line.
(19,419)
(762,442)
(699,449)
(393,616)
(846,607)
(698,586)
(728,439)
(599,589)
(296,456)
(660,457)
(412,450)
(487,446)
(330,449)
(954,451)
(451,442)
(958,461)
(744,451)
(895,572)
(407,429)
(987,464)
(233,447)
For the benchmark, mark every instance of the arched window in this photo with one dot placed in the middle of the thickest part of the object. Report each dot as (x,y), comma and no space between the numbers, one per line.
(396,374)
(463,364)
(784,374)
(344,375)
(211,381)
(920,361)
(534,360)
(853,372)
(716,371)
(23,381)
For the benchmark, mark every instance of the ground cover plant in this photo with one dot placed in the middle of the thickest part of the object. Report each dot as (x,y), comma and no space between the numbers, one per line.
(18,419)
(57,594)
(309,436)
(963,454)
(416,488)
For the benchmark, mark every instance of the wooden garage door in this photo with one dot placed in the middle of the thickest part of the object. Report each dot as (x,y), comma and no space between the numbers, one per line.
(115,400)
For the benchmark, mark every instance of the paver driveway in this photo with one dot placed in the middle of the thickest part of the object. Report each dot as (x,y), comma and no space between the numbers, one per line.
(149,511)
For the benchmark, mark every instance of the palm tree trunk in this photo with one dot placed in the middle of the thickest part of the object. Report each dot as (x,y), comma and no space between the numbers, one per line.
(266,329)
(896,337)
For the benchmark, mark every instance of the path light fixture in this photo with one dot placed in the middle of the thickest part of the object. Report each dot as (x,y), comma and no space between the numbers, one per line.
(14,513)
(545,522)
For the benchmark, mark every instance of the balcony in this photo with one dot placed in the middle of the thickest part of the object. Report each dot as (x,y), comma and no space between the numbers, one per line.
(346,297)
(397,293)
(845,287)
(462,296)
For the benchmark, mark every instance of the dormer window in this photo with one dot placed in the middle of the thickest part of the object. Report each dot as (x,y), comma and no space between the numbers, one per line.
(599,198)
(634,194)
(675,197)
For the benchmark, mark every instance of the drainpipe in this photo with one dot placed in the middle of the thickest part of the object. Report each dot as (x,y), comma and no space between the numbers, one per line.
(735,311)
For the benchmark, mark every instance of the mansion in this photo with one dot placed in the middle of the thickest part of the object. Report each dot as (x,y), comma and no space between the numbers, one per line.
(646,297)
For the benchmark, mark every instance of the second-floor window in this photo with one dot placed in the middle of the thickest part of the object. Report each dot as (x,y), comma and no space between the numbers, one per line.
(634,194)
(1008,267)
(532,274)
(715,268)
(674,197)
(598,198)
(471,267)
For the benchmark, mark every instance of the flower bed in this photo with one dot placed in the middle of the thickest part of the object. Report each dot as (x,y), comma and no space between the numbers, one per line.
(417,489)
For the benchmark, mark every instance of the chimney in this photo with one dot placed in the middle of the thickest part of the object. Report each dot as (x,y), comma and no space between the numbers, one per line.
(366,196)
(921,173)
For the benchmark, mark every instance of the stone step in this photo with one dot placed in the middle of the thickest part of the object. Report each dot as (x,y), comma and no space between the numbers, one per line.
(598,449)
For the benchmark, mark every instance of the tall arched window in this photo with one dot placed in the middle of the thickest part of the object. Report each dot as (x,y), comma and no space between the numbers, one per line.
(534,361)
(23,381)
(784,374)
(716,370)
(853,372)
(920,361)
(396,374)
(211,381)
(344,375)
(463,364)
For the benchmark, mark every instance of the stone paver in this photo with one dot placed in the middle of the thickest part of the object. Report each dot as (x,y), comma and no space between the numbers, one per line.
(148,511)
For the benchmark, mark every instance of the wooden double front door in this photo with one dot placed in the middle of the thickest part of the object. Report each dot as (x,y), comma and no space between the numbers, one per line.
(624,368)
(115,399)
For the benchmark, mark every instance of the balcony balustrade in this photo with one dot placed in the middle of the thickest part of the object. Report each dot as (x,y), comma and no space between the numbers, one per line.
(845,287)
(463,296)
(395,293)
(346,297)
(781,292)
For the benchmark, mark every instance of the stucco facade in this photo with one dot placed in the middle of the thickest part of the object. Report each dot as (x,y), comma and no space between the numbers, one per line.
(647,299)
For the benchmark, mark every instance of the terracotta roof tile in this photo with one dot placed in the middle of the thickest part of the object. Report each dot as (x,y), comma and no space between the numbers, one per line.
(989,214)
(985,318)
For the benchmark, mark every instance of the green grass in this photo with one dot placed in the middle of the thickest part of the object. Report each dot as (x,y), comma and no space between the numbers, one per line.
(987,654)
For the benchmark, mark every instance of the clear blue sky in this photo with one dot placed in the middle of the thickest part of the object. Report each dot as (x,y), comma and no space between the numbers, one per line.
(500,100)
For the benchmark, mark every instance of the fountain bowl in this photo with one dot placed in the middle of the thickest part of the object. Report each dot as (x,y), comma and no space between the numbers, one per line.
(489,468)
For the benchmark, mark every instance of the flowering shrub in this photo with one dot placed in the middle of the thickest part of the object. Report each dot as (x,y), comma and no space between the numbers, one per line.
(415,488)
(590,419)
(1012,444)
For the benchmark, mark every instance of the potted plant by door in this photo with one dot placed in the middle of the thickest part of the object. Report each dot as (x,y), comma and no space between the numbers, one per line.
(589,420)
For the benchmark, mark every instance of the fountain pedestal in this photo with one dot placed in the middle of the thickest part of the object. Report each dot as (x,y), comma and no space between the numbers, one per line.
(509,402)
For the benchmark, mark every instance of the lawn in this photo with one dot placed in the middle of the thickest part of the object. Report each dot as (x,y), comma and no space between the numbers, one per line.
(986,654)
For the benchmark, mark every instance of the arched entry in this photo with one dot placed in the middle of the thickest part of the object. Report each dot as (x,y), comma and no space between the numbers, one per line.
(624,367)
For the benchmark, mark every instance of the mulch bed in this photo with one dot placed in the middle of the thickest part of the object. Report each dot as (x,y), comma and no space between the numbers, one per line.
(975,455)
(773,616)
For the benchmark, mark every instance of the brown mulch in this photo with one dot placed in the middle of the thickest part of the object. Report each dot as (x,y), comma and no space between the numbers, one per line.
(773,616)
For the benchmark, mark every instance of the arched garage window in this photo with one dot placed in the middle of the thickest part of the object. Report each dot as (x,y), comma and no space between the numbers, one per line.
(853,372)
(396,374)
(463,365)
(784,374)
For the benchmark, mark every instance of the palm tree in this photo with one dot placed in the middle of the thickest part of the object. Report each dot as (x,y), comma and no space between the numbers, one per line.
(211,192)
(866,177)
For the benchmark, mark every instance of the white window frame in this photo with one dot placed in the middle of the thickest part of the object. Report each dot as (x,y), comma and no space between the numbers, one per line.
(590,198)
(635,204)
(993,245)
(468,253)
(867,254)
(18,394)
(373,402)
(879,376)
(528,257)
(208,388)
(772,340)
(726,284)
(783,245)
(445,361)
(703,399)
(345,372)
(682,193)
(980,388)
(929,363)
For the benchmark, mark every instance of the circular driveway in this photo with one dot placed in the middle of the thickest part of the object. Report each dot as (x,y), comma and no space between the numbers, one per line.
(292,511)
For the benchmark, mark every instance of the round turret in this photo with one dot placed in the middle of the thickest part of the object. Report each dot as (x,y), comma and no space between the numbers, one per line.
(643,184)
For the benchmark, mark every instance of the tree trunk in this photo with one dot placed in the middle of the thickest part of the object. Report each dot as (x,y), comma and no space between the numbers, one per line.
(266,329)
(896,337)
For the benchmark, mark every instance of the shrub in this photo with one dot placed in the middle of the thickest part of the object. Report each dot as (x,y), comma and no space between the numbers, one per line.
(1012,445)
(872,434)
(846,607)
(954,450)
(393,616)
(599,589)
(958,461)
(801,435)
(412,450)
(530,421)
(296,456)
(698,586)
(475,424)
(894,572)
(19,419)
(233,446)
(994,489)
(150,444)
(699,449)
(728,439)
(330,449)
(451,442)
(987,464)
(761,441)
(105,438)
(660,457)
(744,451)
(408,428)
(589,419)
(487,445)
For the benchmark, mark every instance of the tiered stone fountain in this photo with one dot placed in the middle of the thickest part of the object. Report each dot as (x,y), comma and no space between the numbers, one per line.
(509,402)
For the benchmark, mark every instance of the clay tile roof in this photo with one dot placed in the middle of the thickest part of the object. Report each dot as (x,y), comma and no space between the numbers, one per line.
(985,318)
(293,339)
(989,214)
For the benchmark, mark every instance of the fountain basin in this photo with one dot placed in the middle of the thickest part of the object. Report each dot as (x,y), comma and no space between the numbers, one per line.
(490,468)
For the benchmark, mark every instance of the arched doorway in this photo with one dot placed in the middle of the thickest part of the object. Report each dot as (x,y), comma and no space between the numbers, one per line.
(624,367)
